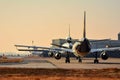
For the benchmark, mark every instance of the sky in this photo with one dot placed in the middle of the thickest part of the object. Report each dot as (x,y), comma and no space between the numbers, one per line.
(24,21)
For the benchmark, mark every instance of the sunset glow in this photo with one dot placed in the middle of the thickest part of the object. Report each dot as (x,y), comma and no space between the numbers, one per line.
(24,21)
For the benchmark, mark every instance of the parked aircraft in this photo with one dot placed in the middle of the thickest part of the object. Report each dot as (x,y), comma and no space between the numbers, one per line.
(79,48)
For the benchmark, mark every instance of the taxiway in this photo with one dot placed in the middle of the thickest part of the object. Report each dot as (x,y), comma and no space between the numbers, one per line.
(39,62)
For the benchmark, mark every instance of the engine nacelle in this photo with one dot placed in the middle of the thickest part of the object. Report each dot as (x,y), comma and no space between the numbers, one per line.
(50,54)
(104,55)
(58,56)
(68,45)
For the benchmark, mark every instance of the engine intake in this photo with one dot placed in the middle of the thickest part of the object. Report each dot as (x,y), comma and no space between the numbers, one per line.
(104,55)
(51,54)
(58,56)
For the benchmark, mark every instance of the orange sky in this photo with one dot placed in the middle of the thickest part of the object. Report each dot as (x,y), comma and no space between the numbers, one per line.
(22,21)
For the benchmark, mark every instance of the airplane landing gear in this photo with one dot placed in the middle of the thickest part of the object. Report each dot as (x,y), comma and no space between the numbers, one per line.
(79,59)
(96,59)
(67,58)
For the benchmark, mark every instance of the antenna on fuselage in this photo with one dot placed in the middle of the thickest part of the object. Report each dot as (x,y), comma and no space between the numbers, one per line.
(84,30)
(32,43)
(69,30)
(69,39)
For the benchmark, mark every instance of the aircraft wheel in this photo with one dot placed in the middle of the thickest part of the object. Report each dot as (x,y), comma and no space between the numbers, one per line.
(67,58)
(67,61)
(96,61)
(80,60)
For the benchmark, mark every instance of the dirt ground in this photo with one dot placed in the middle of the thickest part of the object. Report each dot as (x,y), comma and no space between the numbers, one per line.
(59,74)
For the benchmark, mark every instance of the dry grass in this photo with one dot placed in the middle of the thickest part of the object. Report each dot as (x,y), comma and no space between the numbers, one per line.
(14,60)
(59,74)
(54,78)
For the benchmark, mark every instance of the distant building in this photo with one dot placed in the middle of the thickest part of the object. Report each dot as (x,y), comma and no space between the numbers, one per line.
(119,36)
(105,43)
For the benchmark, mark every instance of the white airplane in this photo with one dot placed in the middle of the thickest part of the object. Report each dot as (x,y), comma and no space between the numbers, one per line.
(33,49)
(79,48)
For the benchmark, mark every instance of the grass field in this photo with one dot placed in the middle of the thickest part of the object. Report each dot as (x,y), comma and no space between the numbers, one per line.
(11,60)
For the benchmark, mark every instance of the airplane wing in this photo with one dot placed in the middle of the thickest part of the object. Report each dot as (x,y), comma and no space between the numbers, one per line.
(92,50)
(61,48)
(105,49)
(39,48)
(25,46)
(29,50)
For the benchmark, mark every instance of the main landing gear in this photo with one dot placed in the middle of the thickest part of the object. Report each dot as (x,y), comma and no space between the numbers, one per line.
(96,59)
(67,58)
(79,59)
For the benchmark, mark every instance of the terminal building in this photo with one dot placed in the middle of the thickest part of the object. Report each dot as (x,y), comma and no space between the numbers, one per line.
(119,36)
(96,44)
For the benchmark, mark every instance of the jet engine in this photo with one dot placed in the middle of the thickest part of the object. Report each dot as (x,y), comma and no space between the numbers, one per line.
(50,54)
(58,55)
(104,55)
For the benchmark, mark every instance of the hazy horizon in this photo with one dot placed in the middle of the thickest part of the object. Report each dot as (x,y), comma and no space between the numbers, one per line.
(23,21)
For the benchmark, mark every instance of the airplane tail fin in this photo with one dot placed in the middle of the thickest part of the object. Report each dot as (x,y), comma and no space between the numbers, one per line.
(84,30)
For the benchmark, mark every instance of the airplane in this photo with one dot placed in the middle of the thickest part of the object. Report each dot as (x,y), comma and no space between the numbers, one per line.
(33,49)
(69,41)
(79,48)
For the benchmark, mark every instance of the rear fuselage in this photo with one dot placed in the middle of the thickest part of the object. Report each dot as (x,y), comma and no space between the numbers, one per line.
(82,47)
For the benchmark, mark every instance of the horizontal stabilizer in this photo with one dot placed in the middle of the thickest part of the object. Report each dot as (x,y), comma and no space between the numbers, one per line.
(59,46)
(29,50)
(34,47)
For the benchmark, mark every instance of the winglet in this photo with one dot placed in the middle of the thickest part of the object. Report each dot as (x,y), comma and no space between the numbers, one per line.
(84,31)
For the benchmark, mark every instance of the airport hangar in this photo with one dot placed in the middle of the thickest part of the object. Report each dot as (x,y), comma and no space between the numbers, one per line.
(94,44)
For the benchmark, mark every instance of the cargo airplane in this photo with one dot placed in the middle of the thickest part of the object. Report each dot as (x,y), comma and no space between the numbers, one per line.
(79,48)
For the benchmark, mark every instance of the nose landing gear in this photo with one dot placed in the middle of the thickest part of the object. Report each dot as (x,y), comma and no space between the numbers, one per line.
(67,58)
(96,59)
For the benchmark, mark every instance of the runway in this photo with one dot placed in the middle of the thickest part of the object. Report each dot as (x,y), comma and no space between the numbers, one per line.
(40,62)
(87,63)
